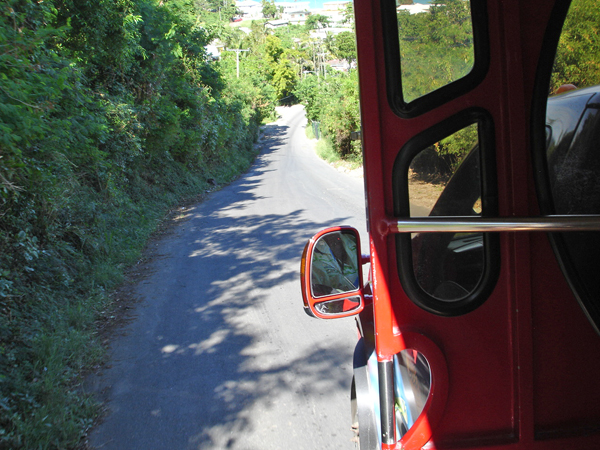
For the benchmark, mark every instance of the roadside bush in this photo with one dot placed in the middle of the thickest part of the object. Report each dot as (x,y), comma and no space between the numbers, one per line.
(110,114)
(334,103)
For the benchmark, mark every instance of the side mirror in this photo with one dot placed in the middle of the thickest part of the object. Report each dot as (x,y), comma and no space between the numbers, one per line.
(331,274)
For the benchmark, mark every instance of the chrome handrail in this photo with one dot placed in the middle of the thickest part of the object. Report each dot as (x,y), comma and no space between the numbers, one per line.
(438,224)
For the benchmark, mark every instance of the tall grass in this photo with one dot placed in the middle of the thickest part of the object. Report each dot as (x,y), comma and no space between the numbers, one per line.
(48,325)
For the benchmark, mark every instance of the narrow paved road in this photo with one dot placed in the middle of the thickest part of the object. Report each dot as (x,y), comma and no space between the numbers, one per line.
(220,354)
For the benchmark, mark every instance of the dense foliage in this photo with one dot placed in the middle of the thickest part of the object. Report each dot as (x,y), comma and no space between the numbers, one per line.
(332,101)
(577,59)
(315,21)
(269,9)
(110,113)
(345,46)
(436,48)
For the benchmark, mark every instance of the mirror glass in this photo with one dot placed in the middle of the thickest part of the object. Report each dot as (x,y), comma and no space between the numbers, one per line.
(340,305)
(412,382)
(335,265)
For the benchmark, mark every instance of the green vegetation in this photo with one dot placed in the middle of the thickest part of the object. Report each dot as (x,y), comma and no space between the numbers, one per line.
(315,21)
(333,102)
(578,56)
(345,46)
(110,114)
(436,48)
(269,10)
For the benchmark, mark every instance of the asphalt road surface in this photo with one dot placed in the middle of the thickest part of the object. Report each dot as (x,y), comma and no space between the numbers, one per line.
(220,354)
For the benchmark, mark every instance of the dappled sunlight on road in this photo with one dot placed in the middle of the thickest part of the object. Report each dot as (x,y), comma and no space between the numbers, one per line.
(223,355)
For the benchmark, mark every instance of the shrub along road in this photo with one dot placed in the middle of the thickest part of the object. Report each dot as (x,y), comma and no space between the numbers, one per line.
(219,353)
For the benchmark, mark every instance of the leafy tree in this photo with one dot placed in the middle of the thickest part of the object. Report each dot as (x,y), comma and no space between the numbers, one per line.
(315,21)
(110,112)
(345,46)
(450,151)
(309,91)
(436,48)
(284,79)
(334,103)
(258,34)
(230,10)
(578,55)
(269,10)
(273,49)
(341,115)
(348,13)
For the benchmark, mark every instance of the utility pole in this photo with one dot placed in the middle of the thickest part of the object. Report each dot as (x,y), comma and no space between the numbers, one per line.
(237,57)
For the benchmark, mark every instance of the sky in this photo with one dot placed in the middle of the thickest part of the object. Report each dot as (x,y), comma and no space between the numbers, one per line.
(317,4)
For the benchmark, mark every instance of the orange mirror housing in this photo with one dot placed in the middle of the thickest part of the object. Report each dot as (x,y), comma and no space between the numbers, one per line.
(331,274)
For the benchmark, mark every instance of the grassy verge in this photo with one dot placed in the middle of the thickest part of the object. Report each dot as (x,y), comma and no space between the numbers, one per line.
(326,152)
(109,117)
(246,23)
(49,331)
(310,133)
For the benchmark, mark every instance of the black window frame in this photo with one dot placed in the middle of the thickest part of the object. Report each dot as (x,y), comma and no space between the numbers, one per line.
(590,308)
(434,99)
(489,200)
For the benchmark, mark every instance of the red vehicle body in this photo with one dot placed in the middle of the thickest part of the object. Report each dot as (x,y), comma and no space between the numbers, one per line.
(513,360)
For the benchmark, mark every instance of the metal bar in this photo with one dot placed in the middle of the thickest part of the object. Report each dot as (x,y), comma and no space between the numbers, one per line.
(439,224)
(386,401)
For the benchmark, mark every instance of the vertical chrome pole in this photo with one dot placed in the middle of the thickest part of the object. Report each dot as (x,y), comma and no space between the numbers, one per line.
(386,401)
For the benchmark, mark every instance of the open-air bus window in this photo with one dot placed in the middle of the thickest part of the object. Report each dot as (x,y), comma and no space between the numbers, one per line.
(577,59)
(447,266)
(445,272)
(568,175)
(436,45)
(439,47)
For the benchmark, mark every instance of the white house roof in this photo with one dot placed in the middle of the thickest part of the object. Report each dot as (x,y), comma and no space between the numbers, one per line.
(292,10)
(212,50)
(335,5)
(276,23)
(414,9)
(294,5)
(323,32)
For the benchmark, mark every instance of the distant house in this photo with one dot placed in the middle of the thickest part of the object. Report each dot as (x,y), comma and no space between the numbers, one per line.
(214,49)
(414,9)
(293,6)
(334,11)
(297,17)
(272,24)
(295,12)
(338,64)
(250,9)
(323,32)
(335,5)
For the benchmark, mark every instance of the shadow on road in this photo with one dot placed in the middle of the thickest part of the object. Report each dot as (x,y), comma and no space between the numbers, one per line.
(220,344)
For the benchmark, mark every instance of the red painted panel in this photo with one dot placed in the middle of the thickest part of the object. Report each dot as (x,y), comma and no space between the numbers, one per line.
(566,354)
(515,364)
